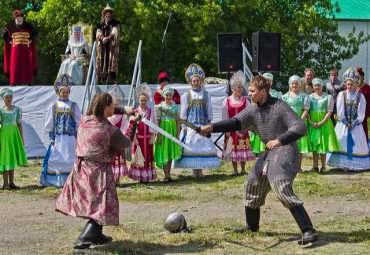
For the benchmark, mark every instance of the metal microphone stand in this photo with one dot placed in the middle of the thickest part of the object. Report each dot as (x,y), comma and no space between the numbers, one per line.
(165,37)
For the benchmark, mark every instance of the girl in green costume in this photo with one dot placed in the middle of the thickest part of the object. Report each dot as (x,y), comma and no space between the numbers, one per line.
(166,150)
(12,152)
(300,103)
(321,129)
(257,145)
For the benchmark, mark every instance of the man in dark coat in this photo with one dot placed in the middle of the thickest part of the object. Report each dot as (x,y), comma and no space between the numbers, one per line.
(279,127)
(107,48)
(20,63)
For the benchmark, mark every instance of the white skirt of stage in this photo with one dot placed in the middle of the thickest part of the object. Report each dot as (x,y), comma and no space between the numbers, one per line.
(203,153)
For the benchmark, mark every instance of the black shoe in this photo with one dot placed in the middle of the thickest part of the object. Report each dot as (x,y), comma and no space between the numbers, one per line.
(31,84)
(101,238)
(243,229)
(309,236)
(300,215)
(252,217)
(88,236)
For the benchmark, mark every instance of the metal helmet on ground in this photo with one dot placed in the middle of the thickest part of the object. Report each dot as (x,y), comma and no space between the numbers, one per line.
(175,222)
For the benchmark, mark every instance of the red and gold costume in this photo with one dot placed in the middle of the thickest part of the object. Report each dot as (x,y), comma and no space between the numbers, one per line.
(19,54)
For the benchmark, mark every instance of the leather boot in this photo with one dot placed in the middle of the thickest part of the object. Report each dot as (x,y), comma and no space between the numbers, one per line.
(303,220)
(101,238)
(252,217)
(88,236)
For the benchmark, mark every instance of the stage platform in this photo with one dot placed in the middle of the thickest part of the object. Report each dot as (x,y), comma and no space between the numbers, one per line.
(36,100)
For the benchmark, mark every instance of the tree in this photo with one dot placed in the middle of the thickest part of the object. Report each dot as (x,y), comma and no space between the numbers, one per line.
(310,35)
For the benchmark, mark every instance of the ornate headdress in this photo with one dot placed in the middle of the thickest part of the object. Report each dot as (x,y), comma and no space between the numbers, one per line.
(167,89)
(268,76)
(238,77)
(18,14)
(107,9)
(194,70)
(317,81)
(116,93)
(76,29)
(5,92)
(352,74)
(295,78)
(143,89)
(63,81)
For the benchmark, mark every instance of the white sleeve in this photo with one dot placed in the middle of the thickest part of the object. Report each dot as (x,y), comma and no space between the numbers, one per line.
(340,106)
(124,124)
(280,96)
(184,105)
(361,109)
(49,119)
(330,104)
(19,117)
(157,111)
(77,114)
(209,108)
(306,102)
(225,109)
(153,119)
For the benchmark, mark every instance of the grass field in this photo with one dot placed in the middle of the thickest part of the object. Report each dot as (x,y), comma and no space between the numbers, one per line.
(337,201)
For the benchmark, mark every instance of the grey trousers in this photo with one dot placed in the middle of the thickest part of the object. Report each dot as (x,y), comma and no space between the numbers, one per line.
(255,195)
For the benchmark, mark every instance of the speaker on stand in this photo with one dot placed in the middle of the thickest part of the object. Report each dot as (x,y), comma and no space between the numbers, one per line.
(266,51)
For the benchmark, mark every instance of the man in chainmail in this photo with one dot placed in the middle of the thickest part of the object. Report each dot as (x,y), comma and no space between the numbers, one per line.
(107,48)
(279,127)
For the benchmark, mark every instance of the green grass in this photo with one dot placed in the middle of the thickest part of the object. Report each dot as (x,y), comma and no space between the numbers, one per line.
(339,233)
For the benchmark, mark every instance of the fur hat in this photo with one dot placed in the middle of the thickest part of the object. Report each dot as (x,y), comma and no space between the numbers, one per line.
(163,77)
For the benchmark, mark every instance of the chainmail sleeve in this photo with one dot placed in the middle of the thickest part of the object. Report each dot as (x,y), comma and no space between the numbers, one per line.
(296,126)
(247,119)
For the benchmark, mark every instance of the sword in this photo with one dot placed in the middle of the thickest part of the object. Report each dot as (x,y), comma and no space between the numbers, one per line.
(187,123)
(165,133)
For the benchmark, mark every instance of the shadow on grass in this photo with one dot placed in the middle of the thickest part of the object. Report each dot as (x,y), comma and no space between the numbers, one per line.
(183,180)
(325,238)
(340,171)
(143,247)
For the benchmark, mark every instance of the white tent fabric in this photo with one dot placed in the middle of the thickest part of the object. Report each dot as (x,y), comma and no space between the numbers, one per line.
(35,101)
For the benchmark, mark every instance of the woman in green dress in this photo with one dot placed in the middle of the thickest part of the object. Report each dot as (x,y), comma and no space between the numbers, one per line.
(166,150)
(321,129)
(300,103)
(12,152)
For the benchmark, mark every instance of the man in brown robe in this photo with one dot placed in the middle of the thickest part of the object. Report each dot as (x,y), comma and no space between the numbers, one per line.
(107,48)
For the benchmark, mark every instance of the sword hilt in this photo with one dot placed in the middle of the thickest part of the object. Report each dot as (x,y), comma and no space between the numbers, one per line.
(198,131)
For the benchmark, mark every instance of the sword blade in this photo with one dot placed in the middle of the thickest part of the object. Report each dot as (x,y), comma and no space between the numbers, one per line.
(175,117)
(165,133)
(185,122)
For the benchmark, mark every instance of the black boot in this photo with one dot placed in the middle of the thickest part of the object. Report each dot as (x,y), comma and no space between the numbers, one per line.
(88,236)
(101,238)
(253,220)
(303,220)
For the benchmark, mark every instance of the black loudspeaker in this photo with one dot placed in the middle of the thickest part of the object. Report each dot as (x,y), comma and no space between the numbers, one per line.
(230,52)
(266,51)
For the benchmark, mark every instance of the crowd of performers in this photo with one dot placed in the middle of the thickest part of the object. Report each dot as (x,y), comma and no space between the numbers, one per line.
(88,153)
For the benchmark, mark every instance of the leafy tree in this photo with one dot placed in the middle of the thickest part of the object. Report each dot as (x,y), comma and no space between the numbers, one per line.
(310,35)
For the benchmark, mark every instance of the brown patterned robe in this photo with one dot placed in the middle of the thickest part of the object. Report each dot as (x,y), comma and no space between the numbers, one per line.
(107,54)
(90,190)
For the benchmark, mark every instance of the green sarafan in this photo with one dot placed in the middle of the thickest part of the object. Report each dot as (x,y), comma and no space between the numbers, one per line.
(212,206)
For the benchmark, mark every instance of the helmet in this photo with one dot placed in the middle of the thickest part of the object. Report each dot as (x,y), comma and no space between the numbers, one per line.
(175,222)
